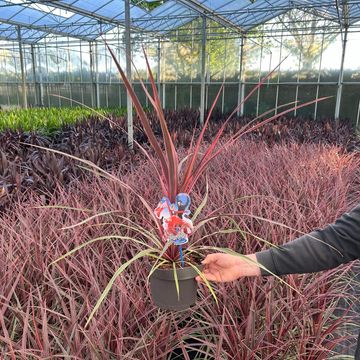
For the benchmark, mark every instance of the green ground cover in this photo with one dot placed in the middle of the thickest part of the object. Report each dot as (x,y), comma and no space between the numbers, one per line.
(48,120)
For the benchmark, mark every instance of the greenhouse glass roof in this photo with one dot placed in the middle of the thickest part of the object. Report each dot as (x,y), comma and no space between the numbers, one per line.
(31,21)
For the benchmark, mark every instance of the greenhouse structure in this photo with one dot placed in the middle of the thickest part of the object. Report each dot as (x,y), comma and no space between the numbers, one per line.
(57,48)
(179,179)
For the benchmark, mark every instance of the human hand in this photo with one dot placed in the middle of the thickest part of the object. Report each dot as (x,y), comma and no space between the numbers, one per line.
(221,267)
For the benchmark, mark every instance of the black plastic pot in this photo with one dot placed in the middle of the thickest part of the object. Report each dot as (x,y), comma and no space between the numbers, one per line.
(163,288)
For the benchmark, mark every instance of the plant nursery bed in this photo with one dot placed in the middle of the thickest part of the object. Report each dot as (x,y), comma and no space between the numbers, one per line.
(281,183)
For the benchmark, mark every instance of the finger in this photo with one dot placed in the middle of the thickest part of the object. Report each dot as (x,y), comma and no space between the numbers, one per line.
(212,277)
(199,279)
(209,277)
(211,268)
(211,258)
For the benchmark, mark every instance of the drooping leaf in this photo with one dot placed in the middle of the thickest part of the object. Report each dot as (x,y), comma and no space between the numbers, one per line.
(198,271)
(116,237)
(143,119)
(176,280)
(117,273)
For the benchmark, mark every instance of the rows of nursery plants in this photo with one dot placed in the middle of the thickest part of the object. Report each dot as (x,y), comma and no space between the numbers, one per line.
(104,142)
(295,171)
(45,306)
(48,120)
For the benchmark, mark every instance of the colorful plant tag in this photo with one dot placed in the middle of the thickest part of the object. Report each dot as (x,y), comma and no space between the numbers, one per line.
(177,227)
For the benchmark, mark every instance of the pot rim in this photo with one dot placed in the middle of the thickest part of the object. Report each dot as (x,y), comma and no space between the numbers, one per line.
(185,273)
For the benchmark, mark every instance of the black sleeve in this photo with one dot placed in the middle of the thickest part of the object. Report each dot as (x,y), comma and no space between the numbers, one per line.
(324,249)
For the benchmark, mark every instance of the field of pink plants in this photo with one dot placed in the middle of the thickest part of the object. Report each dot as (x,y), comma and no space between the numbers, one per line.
(268,191)
(24,168)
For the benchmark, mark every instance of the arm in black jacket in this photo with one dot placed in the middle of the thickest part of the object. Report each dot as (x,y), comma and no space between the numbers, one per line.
(339,243)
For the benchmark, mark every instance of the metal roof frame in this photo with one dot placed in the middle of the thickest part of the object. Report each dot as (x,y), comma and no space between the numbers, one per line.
(47,30)
(91,19)
(57,26)
(11,29)
(72,5)
(211,14)
(166,14)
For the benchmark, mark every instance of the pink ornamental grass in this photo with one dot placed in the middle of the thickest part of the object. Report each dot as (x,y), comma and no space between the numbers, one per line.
(44,308)
(175,177)
(171,180)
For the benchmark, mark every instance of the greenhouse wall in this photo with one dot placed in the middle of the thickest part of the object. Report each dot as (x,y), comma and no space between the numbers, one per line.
(62,71)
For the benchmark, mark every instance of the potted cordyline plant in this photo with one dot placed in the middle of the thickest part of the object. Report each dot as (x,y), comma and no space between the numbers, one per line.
(173,268)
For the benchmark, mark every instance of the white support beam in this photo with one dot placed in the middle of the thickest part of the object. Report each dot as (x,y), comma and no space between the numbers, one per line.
(130,126)
(341,77)
(95,95)
(203,71)
(97,87)
(241,89)
(37,76)
(33,65)
(278,76)
(40,79)
(260,69)
(319,74)
(341,72)
(91,56)
(22,68)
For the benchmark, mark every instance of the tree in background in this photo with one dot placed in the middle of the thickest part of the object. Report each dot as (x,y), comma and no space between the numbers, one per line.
(7,65)
(183,53)
(307,32)
(147,4)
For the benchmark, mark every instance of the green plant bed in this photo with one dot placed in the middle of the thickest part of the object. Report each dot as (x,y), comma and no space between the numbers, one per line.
(49,120)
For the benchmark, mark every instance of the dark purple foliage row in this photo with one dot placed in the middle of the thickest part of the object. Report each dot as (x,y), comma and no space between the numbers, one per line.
(104,143)
(298,129)
(23,167)
(44,307)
